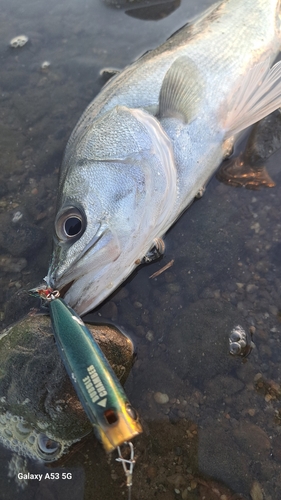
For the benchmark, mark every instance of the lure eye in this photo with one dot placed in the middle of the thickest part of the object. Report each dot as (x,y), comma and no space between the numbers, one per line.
(47,447)
(70,224)
(131,412)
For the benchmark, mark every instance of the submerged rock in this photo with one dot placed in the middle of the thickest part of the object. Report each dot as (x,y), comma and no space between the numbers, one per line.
(148,10)
(18,236)
(198,348)
(40,413)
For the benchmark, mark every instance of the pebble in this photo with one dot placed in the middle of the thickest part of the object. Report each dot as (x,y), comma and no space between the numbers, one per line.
(18,41)
(252,412)
(161,398)
(193,484)
(173,287)
(17,217)
(256,492)
(149,336)
(137,305)
(251,288)
(45,65)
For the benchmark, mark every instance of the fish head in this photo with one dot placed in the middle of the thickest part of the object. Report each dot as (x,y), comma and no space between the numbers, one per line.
(115,178)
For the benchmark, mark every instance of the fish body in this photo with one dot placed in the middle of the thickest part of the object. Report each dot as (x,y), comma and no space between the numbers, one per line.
(152,138)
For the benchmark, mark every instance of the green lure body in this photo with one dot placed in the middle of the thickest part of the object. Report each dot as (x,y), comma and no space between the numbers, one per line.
(97,386)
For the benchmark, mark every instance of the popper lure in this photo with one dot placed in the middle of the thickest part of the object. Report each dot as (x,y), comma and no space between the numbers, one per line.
(97,386)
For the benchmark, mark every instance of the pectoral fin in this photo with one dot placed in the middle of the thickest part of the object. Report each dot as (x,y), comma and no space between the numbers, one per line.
(257,96)
(181,90)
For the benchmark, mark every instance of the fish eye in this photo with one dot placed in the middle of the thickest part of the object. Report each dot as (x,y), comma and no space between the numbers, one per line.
(70,224)
(47,447)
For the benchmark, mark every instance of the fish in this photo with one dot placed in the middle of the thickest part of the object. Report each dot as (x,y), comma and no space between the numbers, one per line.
(148,144)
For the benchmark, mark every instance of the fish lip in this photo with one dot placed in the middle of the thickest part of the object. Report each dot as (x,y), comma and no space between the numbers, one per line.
(53,279)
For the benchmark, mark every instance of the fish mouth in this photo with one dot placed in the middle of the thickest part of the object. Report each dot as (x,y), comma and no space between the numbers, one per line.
(86,280)
(65,288)
(64,279)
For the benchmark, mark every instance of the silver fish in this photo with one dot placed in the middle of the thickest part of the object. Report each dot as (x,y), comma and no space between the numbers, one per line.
(153,137)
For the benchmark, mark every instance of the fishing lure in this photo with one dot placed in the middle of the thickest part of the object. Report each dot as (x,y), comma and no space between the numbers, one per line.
(97,386)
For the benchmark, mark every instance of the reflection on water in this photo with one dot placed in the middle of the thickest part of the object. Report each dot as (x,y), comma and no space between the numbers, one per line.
(212,422)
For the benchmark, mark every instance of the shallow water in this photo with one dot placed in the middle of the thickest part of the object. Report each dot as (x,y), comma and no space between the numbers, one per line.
(219,435)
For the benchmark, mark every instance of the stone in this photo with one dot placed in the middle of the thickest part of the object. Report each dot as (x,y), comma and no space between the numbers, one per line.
(220,457)
(252,440)
(161,398)
(256,492)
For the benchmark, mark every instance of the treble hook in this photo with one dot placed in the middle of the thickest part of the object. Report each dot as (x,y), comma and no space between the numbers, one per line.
(128,465)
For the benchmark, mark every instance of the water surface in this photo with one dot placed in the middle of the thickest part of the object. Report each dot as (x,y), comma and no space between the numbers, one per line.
(218,436)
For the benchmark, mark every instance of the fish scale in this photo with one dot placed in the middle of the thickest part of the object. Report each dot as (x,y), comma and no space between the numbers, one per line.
(167,120)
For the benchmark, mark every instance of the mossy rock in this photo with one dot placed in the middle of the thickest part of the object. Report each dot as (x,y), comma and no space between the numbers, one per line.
(36,395)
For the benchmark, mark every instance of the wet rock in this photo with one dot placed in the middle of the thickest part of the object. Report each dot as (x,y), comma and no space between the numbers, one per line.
(36,394)
(18,236)
(276,448)
(222,386)
(221,458)
(18,305)
(253,440)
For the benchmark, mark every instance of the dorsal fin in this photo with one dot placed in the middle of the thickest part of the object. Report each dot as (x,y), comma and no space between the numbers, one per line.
(257,96)
(181,90)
